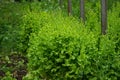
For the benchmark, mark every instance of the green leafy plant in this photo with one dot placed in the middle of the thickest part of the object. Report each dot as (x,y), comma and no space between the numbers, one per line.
(31,23)
(58,50)
(8,77)
(10,19)
(65,49)
(59,47)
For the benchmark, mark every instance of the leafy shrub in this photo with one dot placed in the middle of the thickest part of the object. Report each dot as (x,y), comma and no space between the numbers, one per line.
(92,15)
(53,41)
(62,48)
(104,63)
(113,25)
(65,49)
(31,23)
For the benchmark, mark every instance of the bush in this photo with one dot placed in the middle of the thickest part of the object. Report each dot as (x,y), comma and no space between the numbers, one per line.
(113,26)
(55,44)
(31,23)
(62,48)
(65,49)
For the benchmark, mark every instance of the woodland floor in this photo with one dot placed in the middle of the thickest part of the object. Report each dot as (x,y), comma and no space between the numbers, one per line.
(15,64)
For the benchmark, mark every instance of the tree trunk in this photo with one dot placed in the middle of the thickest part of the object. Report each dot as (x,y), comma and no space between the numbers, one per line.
(82,10)
(103,16)
(69,7)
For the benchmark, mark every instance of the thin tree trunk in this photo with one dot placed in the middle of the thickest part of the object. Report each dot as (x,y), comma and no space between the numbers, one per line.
(103,16)
(82,10)
(69,7)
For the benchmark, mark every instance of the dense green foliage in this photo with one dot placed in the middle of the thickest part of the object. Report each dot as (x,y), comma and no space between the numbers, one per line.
(31,23)
(65,49)
(60,47)
(10,19)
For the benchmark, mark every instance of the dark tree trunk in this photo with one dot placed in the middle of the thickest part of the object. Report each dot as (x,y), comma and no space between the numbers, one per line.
(82,10)
(69,7)
(103,16)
